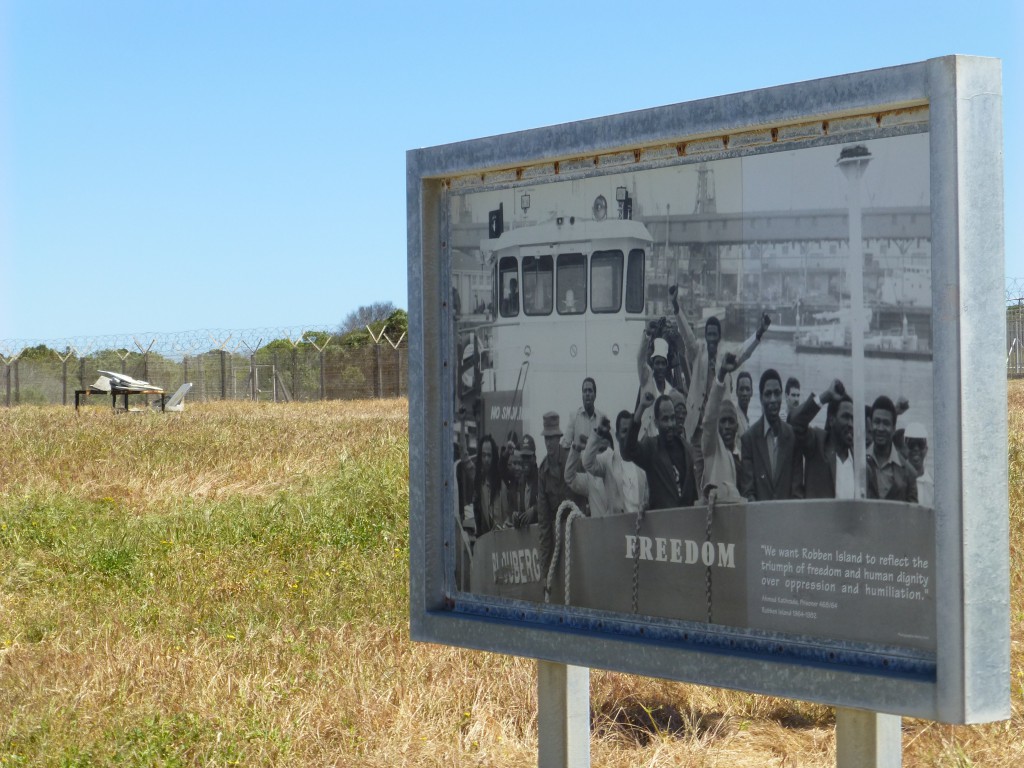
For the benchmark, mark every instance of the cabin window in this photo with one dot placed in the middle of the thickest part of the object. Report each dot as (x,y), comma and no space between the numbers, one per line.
(508,282)
(571,297)
(635,281)
(606,281)
(538,284)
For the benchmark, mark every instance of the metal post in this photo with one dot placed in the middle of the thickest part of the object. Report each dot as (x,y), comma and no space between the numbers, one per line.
(563,715)
(322,387)
(64,381)
(184,369)
(17,382)
(7,382)
(398,371)
(253,385)
(274,362)
(223,375)
(380,380)
(81,372)
(868,739)
(295,373)
(1016,337)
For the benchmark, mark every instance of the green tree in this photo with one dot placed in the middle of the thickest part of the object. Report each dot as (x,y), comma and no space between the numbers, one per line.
(382,316)
(39,354)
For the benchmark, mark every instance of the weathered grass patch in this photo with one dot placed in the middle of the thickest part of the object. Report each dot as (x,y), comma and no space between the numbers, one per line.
(236,593)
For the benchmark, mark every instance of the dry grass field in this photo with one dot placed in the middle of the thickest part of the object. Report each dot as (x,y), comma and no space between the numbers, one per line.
(229,586)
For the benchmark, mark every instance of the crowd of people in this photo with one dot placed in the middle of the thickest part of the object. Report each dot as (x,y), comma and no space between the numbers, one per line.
(688,438)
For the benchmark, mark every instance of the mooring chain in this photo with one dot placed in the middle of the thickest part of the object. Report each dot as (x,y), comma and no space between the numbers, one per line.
(712,497)
(570,508)
(636,563)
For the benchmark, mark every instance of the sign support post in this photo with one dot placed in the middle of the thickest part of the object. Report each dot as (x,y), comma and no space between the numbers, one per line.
(868,739)
(563,715)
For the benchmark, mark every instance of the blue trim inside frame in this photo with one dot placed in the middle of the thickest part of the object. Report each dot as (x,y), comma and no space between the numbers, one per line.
(850,657)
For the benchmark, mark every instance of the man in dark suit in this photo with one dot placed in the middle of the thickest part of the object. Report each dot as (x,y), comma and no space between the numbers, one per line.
(828,452)
(767,448)
(666,457)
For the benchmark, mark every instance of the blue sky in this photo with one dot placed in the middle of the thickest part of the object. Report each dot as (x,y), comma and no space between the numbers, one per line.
(167,166)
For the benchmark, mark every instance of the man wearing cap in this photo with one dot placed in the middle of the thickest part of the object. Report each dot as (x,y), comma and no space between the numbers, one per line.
(828,452)
(587,416)
(915,440)
(890,476)
(653,369)
(519,497)
(666,457)
(702,358)
(552,488)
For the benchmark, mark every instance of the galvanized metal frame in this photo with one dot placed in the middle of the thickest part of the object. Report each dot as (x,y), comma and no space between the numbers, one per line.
(970,680)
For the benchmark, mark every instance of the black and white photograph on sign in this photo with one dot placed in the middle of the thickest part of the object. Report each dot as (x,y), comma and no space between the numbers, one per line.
(703,392)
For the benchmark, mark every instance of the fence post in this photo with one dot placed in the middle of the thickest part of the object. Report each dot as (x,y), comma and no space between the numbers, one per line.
(322,386)
(7,382)
(320,349)
(295,372)
(398,355)
(1020,307)
(379,388)
(17,382)
(273,359)
(397,374)
(64,381)
(223,375)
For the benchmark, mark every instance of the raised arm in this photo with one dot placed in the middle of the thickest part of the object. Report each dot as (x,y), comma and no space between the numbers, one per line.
(631,448)
(751,344)
(574,474)
(685,331)
(709,435)
(597,447)
(643,369)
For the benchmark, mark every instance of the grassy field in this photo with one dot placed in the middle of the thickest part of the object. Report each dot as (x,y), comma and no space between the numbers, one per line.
(229,586)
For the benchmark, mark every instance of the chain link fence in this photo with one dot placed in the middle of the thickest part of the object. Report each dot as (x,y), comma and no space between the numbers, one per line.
(277,365)
(1014,327)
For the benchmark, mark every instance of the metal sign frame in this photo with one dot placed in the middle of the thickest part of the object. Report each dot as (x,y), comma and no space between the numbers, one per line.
(968,681)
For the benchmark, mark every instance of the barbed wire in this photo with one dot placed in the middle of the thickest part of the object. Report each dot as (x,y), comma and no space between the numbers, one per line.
(1015,290)
(180,344)
(174,345)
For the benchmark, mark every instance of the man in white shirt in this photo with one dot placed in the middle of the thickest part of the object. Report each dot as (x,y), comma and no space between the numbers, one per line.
(653,372)
(623,483)
(586,418)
